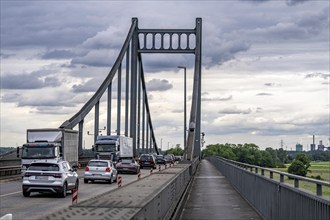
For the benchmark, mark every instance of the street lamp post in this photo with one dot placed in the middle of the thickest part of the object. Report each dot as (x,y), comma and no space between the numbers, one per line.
(185,111)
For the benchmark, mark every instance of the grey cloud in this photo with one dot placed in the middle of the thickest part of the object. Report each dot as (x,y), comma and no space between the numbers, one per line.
(272,84)
(90,86)
(97,58)
(295,2)
(158,85)
(6,55)
(235,110)
(230,97)
(53,110)
(58,54)
(42,24)
(45,101)
(28,81)
(317,75)
(264,94)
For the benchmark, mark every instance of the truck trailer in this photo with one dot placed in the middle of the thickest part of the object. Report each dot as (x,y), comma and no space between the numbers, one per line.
(49,143)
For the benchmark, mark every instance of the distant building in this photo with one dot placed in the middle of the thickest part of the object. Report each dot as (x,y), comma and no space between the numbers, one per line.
(320,147)
(299,147)
(313,144)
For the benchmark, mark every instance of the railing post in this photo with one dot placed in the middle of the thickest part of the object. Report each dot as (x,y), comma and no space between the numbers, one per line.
(281,178)
(271,175)
(256,170)
(319,189)
(296,183)
(262,172)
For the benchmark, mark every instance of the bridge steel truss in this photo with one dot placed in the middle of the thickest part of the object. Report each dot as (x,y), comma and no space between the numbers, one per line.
(138,124)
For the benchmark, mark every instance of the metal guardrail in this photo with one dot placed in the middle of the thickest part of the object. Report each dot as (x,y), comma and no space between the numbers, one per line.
(274,199)
(319,185)
(10,170)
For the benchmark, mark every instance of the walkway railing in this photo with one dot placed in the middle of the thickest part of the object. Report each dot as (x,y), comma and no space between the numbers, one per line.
(275,199)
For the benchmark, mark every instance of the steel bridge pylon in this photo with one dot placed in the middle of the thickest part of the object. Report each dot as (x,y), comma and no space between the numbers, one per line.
(138,124)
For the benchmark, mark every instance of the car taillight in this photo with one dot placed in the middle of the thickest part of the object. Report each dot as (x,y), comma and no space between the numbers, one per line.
(152,161)
(107,169)
(57,175)
(86,168)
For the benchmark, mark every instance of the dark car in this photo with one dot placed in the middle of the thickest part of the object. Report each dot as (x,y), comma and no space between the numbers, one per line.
(169,159)
(147,160)
(160,159)
(127,166)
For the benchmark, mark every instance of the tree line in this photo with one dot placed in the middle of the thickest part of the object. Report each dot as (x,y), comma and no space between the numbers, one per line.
(251,154)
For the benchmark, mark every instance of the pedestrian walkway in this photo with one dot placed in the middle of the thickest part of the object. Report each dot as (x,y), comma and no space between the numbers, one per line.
(212,197)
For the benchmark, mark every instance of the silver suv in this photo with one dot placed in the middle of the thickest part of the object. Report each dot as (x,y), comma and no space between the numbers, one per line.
(100,170)
(50,176)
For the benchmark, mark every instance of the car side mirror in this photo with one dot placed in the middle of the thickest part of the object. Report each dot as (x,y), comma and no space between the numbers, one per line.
(17,151)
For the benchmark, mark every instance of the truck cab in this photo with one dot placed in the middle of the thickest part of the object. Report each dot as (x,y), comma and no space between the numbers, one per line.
(37,151)
(106,147)
(113,147)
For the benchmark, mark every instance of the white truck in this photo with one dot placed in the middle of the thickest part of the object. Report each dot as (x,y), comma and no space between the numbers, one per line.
(113,147)
(49,143)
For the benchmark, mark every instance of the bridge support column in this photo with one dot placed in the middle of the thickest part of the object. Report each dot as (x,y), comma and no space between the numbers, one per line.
(134,57)
(96,120)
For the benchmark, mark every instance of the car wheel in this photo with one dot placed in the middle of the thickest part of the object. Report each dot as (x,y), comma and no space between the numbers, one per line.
(76,186)
(26,194)
(110,181)
(64,190)
(85,181)
(141,167)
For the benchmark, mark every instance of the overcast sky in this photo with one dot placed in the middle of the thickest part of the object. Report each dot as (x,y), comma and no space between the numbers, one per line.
(265,73)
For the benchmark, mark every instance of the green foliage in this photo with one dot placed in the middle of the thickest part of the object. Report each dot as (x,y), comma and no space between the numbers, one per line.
(177,151)
(300,165)
(298,168)
(247,153)
(318,177)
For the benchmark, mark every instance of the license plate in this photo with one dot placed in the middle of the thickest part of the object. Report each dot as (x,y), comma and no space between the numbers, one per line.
(125,169)
(42,178)
(97,174)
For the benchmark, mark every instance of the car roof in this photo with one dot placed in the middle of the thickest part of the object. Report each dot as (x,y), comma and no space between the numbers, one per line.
(100,160)
(48,161)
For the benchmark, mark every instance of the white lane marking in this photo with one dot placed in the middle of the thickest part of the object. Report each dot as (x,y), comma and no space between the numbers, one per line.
(10,194)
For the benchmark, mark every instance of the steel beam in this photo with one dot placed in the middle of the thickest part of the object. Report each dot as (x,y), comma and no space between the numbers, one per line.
(119,100)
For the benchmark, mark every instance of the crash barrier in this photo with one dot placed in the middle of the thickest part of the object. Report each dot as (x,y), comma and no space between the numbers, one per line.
(155,196)
(74,196)
(275,199)
(119,181)
(10,170)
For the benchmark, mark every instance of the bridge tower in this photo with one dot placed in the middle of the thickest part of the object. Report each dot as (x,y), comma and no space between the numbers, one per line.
(138,124)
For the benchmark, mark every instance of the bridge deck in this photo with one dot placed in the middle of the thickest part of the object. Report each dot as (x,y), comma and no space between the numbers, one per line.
(212,197)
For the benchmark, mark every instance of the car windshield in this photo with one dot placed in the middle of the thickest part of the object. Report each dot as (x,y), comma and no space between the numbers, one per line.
(44,167)
(159,157)
(127,161)
(146,158)
(97,164)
